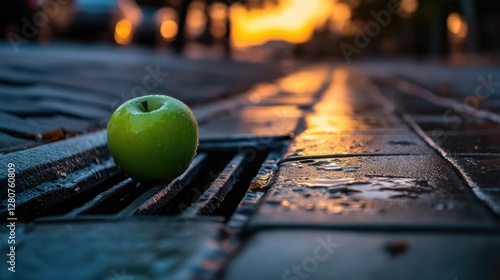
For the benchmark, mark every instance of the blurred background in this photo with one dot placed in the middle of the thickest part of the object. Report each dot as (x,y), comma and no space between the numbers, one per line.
(265,29)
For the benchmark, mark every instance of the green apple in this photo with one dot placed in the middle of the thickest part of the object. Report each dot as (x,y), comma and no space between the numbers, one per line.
(153,137)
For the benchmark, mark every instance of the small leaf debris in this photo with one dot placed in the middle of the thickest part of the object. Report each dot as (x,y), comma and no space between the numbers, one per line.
(49,136)
(397,247)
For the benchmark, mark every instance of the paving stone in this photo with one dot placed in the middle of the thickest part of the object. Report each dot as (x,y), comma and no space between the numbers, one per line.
(428,109)
(470,143)
(453,124)
(459,80)
(34,93)
(400,191)
(10,143)
(308,81)
(76,109)
(22,108)
(16,124)
(413,103)
(67,123)
(98,87)
(321,124)
(16,78)
(352,110)
(314,254)
(68,86)
(348,90)
(139,249)
(271,112)
(13,128)
(254,122)
(357,143)
(336,104)
(482,171)
(491,197)
(302,101)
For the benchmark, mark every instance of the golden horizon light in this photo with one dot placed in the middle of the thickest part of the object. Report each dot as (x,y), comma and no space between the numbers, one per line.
(293,21)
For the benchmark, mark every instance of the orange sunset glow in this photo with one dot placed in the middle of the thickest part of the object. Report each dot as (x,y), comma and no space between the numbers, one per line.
(292,21)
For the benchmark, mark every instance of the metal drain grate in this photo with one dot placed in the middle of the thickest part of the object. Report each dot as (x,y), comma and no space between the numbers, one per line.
(214,184)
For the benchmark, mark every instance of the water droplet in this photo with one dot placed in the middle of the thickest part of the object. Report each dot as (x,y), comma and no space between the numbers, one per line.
(390,187)
(323,183)
(332,166)
(440,206)
(443,206)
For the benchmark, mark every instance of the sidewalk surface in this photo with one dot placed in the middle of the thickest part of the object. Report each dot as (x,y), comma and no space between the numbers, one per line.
(381,179)
(391,170)
(76,88)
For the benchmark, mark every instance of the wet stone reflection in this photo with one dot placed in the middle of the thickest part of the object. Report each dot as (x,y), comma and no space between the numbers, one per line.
(349,193)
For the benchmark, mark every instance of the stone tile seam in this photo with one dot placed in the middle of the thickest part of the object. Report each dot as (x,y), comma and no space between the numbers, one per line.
(389,228)
(299,158)
(485,201)
(413,88)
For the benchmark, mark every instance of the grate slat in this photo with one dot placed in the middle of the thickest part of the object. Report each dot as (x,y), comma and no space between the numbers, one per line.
(61,196)
(160,196)
(217,183)
(100,200)
(258,186)
(219,188)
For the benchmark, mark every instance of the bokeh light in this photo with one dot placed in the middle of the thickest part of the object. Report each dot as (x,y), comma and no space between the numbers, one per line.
(457,25)
(168,29)
(166,18)
(123,32)
(196,19)
(218,14)
(408,7)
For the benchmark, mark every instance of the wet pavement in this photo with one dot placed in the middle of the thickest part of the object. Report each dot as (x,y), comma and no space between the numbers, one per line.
(76,88)
(370,191)
(382,176)
(99,249)
(375,160)
(330,254)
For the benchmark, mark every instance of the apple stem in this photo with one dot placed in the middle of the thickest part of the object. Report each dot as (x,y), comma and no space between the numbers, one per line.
(145,105)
